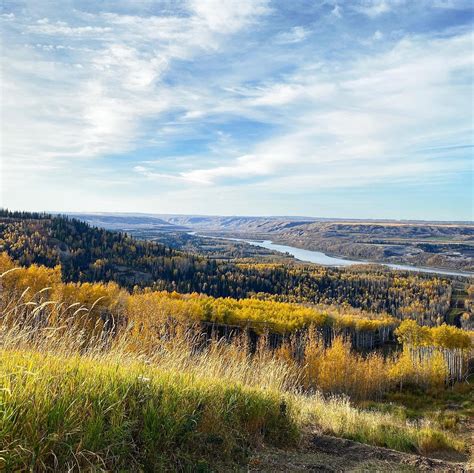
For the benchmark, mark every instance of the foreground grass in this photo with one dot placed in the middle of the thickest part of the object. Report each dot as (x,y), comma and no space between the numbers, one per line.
(64,413)
(448,409)
(338,417)
(75,413)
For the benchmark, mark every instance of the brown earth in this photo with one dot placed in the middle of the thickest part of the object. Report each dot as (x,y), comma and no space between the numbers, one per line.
(330,454)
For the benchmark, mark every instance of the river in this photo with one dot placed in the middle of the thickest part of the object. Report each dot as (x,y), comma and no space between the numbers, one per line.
(321,258)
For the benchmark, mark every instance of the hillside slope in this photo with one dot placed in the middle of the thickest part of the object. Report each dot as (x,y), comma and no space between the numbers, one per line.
(428,244)
(89,254)
(125,222)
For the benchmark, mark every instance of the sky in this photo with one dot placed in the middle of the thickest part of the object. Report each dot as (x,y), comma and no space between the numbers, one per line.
(360,109)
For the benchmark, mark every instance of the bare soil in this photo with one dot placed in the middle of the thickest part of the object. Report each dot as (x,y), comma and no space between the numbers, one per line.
(330,454)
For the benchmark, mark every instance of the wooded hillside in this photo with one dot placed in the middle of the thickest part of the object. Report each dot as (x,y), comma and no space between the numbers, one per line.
(90,254)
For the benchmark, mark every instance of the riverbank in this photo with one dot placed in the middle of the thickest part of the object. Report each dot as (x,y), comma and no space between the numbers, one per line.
(324,259)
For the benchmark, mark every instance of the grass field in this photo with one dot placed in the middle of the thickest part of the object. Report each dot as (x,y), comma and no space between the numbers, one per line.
(66,412)
(63,413)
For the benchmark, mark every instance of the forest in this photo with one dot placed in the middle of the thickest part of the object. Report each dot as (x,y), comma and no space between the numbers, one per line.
(89,254)
(152,312)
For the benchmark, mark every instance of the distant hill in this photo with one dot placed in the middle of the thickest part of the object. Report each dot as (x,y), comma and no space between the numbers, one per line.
(448,245)
(127,222)
(236,223)
(386,228)
(278,223)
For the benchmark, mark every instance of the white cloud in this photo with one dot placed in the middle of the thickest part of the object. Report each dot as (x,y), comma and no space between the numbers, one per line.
(61,28)
(228,15)
(309,90)
(379,111)
(91,101)
(160,176)
(294,35)
(336,11)
(246,166)
(377,36)
(134,72)
(375,8)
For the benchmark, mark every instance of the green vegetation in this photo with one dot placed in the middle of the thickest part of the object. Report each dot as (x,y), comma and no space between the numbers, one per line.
(447,409)
(337,417)
(68,413)
(450,410)
(69,407)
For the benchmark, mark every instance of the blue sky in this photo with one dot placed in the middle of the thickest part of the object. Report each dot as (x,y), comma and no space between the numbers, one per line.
(326,108)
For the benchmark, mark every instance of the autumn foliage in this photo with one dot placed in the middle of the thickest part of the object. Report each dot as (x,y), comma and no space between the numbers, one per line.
(431,357)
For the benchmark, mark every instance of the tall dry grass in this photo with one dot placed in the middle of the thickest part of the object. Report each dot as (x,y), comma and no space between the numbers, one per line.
(80,391)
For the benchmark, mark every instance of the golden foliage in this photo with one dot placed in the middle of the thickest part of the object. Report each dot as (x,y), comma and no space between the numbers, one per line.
(337,369)
(146,318)
(412,368)
(443,336)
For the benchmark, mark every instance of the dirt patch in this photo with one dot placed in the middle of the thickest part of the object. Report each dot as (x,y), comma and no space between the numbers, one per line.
(331,454)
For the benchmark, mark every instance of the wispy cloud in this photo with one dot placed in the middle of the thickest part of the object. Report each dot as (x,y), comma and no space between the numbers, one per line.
(374,8)
(336,12)
(378,110)
(229,16)
(63,29)
(99,90)
(294,35)
(232,97)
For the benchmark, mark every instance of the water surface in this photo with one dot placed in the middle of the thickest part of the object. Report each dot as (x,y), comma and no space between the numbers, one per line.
(318,257)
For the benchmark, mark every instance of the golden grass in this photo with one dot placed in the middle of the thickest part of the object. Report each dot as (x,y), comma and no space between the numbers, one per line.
(337,416)
(75,412)
(76,396)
